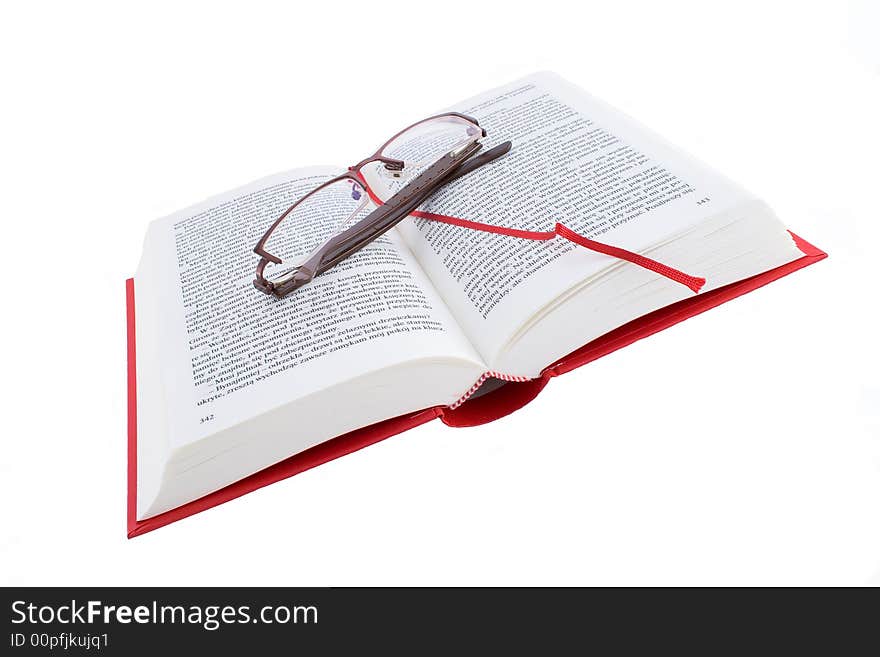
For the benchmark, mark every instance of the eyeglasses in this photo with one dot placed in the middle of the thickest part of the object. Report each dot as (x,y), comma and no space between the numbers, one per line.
(414,163)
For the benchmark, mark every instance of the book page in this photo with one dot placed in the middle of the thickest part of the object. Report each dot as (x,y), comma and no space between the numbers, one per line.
(574,160)
(229,352)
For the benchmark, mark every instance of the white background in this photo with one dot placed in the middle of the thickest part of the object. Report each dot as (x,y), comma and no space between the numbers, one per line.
(741,447)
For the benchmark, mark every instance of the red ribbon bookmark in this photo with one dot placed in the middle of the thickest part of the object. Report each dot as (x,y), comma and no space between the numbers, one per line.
(692,282)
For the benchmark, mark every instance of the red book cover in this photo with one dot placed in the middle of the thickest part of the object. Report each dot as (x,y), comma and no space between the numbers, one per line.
(477,410)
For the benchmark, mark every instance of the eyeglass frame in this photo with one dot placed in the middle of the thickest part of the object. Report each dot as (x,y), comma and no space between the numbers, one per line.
(354,175)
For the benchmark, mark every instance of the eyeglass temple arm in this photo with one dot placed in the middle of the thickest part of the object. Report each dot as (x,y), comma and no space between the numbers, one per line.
(471,165)
(386,216)
(476,162)
(374,227)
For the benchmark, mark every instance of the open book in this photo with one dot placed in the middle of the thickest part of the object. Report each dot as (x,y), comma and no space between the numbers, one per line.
(229,381)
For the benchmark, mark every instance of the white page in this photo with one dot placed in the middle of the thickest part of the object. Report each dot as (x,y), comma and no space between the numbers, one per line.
(228,352)
(574,160)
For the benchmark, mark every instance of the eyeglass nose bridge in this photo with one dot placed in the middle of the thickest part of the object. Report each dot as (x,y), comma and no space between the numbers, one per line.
(390,163)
